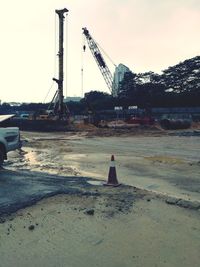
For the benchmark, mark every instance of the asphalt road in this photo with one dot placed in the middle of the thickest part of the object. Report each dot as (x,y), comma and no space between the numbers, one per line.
(19,189)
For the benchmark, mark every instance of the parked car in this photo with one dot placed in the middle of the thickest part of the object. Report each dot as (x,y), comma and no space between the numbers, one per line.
(9,139)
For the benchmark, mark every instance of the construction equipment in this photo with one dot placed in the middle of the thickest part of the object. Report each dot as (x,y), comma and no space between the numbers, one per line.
(142,120)
(56,116)
(59,107)
(107,75)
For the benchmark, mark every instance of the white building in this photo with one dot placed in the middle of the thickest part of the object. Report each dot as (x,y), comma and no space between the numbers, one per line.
(120,70)
(72,98)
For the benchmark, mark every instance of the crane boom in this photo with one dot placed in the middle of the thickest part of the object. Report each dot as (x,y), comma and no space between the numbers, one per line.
(107,75)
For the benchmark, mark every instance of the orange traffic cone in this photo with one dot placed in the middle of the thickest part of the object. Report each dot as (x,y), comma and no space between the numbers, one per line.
(112,176)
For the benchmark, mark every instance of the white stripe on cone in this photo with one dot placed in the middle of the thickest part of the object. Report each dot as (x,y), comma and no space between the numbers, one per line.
(112,164)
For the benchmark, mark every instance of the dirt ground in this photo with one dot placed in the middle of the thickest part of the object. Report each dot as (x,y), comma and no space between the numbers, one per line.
(150,160)
(155,225)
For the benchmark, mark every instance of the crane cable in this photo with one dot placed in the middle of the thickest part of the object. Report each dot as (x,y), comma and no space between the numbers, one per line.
(48,91)
(104,52)
(82,64)
(66,57)
(55,57)
(55,45)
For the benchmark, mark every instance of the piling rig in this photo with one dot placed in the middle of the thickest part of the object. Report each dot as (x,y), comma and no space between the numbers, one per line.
(60,109)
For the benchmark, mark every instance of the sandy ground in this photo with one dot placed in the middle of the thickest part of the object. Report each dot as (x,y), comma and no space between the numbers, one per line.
(151,233)
(124,230)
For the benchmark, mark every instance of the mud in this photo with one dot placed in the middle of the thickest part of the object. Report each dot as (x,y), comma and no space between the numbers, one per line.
(28,188)
(67,218)
(119,230)
(164,164)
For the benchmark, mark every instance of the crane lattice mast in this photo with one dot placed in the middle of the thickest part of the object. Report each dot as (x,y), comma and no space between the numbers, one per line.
(107,75)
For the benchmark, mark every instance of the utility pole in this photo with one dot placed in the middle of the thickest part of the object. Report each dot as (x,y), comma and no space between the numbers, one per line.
(61,111)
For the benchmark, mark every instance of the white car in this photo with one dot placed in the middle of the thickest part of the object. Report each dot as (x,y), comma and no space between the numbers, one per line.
(9,139)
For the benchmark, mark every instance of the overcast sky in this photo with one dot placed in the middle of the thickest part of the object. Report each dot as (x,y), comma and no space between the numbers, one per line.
(142,34)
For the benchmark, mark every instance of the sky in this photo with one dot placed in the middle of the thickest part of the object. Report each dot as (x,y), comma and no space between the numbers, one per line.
(144,35)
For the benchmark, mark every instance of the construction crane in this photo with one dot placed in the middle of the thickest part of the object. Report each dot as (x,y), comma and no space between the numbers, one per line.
(107,75)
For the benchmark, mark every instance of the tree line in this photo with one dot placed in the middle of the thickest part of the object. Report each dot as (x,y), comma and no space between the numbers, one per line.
(177,86)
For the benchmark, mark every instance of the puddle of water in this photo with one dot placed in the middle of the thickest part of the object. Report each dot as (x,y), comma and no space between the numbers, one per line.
(95,182)
(75,156)
(152,186)
(31,157)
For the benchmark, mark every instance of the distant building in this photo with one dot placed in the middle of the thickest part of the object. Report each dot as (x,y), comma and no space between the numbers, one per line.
(120,70)
(72,98)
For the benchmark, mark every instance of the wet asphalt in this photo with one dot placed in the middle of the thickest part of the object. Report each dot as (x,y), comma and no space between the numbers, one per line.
(20,189)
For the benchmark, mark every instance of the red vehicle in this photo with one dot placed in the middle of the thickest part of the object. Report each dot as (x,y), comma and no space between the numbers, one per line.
(141,120)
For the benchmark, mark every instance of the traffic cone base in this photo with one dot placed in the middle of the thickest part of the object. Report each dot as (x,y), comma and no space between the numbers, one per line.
(113,185)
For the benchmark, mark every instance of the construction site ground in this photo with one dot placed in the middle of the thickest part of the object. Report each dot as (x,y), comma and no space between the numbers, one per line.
(68,218)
